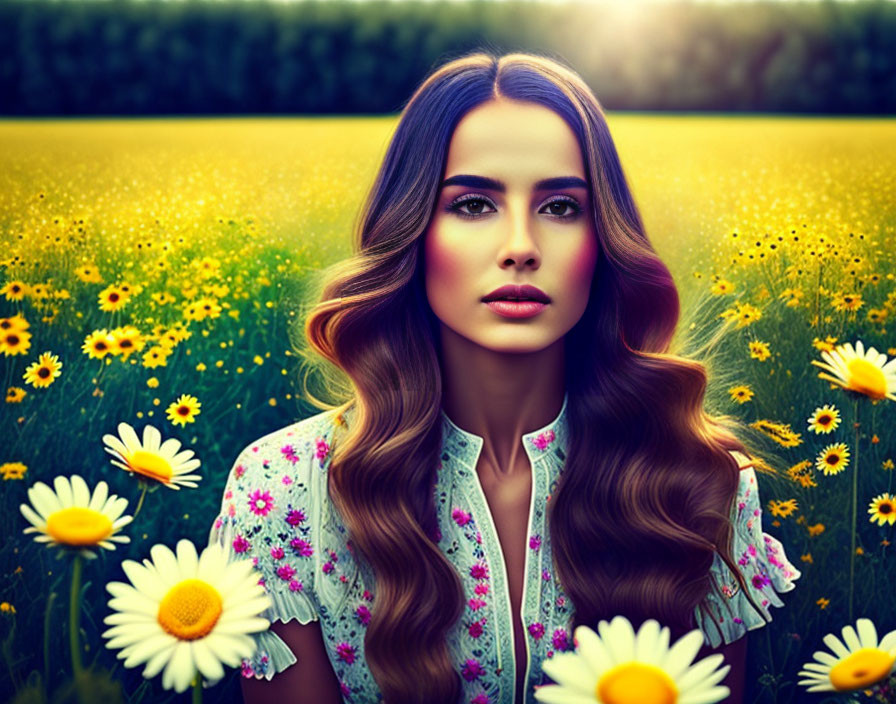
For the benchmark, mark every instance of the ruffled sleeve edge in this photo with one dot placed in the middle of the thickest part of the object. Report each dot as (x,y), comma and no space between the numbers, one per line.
(272,655)
(781,574)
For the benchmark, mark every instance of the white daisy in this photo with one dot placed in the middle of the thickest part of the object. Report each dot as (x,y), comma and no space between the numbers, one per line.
(73,517)
(152,458)
(186,614)
(858,664)
(623,667)
(863,372)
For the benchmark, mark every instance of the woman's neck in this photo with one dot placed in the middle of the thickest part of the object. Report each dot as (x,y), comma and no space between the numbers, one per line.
(500,396)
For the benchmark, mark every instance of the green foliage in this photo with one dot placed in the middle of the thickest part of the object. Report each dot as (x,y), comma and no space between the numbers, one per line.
(346,57)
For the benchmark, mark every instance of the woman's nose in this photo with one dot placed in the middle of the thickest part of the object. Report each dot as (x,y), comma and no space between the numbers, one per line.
(518,246)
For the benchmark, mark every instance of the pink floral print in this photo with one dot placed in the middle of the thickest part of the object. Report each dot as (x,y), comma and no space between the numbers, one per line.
(261,502)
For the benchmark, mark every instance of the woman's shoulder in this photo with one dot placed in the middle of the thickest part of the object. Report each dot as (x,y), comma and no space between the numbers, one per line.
(279,476)
(303,439)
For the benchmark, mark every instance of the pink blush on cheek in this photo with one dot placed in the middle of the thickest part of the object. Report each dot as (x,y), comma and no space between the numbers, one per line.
(441,263)
(583,261)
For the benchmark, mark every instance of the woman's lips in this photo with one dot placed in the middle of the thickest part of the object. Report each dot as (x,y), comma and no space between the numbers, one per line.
(516,309)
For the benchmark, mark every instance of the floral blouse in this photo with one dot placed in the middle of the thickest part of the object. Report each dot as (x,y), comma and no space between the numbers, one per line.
(273,510)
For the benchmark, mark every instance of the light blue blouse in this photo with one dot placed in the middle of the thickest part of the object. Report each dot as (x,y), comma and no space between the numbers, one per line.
(274,510)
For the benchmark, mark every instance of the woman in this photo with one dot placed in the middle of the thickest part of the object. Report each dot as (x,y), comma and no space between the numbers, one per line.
(517,452)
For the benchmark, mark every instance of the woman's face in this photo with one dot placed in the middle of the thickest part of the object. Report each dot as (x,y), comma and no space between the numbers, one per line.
(496,223)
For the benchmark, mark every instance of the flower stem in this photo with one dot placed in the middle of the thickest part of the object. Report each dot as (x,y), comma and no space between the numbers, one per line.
(48,612)
(140,502)
(75,616)
(197,689)
(855,491)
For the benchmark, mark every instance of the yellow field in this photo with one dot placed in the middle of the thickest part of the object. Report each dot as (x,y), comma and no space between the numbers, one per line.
(177,244)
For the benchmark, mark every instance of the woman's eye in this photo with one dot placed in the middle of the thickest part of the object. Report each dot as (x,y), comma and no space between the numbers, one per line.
(559,205)
(474,204)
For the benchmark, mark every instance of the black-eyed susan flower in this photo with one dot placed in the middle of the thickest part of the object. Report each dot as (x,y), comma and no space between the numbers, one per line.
(15,394)
(89,274)
(743,314)
(781,433)
(126,340)
(801,473)
(112,298)
(13,470)
(833,459)
(14,322)
(14,341)
(184,410)
(825,419)
(209,306)
(741,393)
(882,509)
(721,287)
(152,459)
(856,662)
(163,298)
(14,290)
(98,344)
(44,371)
(826,345)
(619,665)
(759,350)
(74,518)
(877,315)
(207,267)
(156,356)
(186,613)
(855,370)
(847,302)
(39,291)
(782,509)
(128,289)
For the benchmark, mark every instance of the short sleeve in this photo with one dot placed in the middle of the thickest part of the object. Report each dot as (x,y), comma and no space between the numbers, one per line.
(762,562)
(268,512)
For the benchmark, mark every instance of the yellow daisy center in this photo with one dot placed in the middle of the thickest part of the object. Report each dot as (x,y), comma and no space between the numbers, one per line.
(636,683)
(862,668)
(190,609)
(151,465)
(77,525)
(867,378)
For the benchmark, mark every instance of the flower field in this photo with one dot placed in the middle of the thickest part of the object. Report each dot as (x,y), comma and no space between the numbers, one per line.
(151,276)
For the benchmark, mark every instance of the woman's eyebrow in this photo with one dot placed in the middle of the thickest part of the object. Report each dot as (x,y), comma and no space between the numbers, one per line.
(486,183)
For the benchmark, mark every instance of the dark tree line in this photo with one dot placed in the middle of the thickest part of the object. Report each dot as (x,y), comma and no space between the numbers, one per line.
(112,57)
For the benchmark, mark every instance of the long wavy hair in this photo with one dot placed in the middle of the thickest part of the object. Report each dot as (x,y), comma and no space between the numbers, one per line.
(648,471)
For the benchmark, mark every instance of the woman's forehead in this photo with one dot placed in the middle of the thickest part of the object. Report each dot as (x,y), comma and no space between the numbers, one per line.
(514,142)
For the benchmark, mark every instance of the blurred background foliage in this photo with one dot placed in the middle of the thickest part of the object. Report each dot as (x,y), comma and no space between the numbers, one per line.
(112,57)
